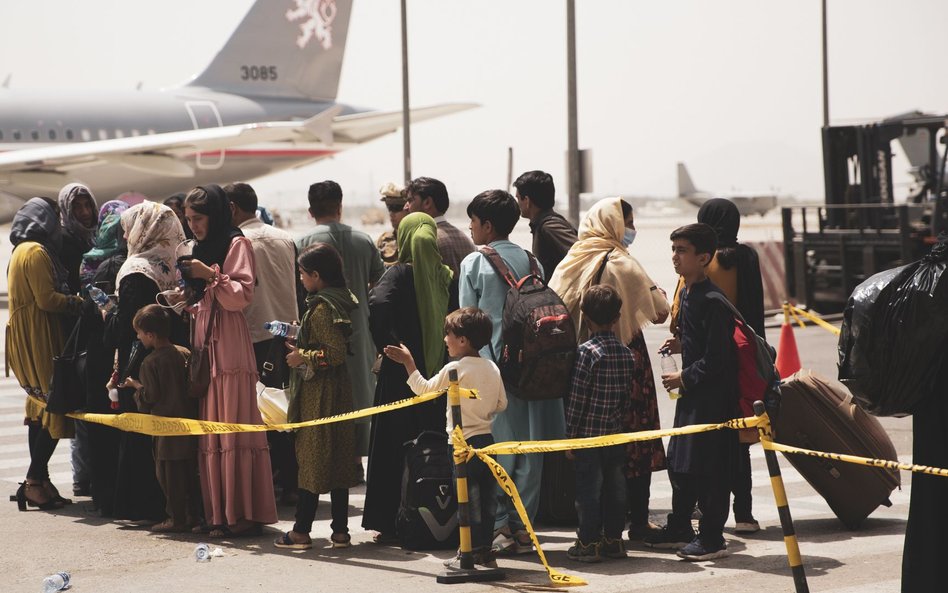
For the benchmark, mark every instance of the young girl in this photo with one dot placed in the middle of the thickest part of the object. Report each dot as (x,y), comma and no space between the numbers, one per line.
(320,387)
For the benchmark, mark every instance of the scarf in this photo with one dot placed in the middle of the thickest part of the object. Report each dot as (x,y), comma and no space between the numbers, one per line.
(108,239)
(37,221)
(418,245)
(220,230)
(153,233)
(601,232)
(67,195)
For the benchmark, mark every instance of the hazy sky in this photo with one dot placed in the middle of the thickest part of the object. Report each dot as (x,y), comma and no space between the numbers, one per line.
(732,87)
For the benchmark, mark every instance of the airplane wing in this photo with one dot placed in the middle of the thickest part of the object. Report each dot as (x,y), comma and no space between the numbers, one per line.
(161,154)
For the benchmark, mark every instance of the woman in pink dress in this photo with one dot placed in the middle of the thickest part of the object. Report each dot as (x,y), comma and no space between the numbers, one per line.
(236,479)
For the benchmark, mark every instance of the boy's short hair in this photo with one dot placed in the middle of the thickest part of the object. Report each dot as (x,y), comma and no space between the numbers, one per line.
(325,198)
(601,303)
(471,323)
(153,319)
(702,236)
(429,187)
(538,186)
(496,207)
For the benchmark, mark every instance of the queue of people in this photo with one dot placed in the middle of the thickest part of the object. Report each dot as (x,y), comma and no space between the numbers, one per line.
(195,279)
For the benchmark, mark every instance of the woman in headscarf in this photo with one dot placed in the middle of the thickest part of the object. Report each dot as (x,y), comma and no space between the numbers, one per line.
(77,210)
(152,232)
(39,297)
(601,256)
(100,453)
(236,478)
(407,306)
(735,269)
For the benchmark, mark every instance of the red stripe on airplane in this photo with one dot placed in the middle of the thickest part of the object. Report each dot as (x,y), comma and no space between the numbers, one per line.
(270,153)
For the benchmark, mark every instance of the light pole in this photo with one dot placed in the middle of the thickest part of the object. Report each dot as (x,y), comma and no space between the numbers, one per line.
(572,142)
(406,119)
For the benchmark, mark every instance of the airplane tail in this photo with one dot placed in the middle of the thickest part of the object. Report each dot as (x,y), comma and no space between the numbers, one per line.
(685,186)
(285,49)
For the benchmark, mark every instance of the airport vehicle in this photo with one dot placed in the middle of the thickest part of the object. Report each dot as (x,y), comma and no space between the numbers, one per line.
(861,229)
(266,102)
(747,202)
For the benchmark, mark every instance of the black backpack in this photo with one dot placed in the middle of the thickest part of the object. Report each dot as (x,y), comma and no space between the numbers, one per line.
(538,334)
(427,516)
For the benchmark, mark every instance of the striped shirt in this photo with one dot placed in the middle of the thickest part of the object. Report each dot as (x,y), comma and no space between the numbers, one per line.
(601,388)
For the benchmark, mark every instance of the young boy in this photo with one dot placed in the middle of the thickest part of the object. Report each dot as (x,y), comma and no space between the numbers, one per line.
(162,389)
(466,331)
(493,214)
(700,466)
(599,398)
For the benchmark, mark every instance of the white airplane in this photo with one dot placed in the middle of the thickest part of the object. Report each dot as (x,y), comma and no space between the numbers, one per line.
(747,203)
(267,102)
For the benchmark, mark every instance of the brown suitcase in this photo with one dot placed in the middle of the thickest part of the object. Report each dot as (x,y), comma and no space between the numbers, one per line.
(819,414)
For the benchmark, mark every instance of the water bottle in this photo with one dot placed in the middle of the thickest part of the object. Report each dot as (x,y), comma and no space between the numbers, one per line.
(282,329)
(56,582)
(202,553)
(668,366)
(101,299)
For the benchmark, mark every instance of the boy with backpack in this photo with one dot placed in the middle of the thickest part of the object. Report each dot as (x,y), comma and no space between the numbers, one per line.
(599,398)
(493,214)
(700,465)
(466,331)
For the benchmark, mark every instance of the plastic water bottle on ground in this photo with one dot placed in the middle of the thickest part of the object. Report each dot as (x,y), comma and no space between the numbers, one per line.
(56,582)
(101,299)
(282,329)
(668,366)
(202,553)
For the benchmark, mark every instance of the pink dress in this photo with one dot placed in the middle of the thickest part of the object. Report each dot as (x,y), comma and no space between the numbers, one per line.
(236,479)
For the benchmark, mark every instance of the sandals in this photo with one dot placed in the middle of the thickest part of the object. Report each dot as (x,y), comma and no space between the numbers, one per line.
(340,540)
(286,542)
(385,539)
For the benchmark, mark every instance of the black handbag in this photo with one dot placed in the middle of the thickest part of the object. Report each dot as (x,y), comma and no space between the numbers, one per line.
(67,392)
(199,371)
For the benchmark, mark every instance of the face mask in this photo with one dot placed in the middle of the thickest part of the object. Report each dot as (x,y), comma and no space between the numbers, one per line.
(628,237)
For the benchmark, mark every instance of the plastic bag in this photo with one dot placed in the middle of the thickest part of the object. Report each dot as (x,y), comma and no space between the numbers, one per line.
(895,333)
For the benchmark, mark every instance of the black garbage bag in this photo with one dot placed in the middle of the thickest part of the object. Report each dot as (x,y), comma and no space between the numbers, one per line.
(895,335)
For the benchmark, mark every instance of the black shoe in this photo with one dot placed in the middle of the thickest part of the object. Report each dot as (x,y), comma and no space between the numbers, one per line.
(670,539)
(81,489)
(699,550)
(612,548)
(581,552)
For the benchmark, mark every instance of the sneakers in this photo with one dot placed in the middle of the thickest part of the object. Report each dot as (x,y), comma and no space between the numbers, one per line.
(612,548)
(585,552)
(509,544)
(670,539)
(746,526)
(699,550)
(483,557)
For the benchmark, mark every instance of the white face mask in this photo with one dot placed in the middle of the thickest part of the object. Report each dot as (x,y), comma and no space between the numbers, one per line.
(628,237)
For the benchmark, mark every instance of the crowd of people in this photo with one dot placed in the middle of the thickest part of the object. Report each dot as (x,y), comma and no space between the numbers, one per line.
(195,280)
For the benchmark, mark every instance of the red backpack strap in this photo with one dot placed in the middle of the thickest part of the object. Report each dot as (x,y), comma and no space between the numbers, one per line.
(498,264)
(534,266)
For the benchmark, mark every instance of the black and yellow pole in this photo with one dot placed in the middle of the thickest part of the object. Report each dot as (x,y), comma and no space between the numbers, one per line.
(467,573)
(780,497)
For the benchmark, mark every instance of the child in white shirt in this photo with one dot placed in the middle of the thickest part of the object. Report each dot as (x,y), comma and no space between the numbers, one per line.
(466,331)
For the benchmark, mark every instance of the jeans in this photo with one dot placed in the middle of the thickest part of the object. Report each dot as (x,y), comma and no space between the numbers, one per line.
(80,457)
(481,495)
(711,493)
(306,510)
(600,492)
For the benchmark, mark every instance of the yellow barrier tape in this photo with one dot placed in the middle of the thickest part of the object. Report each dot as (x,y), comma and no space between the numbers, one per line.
(164,426)
(788,313)
(507,485)
(820,322)
(881,463)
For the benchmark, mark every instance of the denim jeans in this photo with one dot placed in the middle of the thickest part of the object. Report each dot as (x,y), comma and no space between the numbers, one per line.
(600,492)
(481,495)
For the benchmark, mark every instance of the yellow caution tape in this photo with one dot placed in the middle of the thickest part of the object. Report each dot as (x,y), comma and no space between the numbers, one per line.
(789,313)
(796,311)
(881,463)
(507,485)
(164,426)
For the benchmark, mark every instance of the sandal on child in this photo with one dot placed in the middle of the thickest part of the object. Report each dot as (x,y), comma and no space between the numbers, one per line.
(286,542)
(385,539)
(340,540)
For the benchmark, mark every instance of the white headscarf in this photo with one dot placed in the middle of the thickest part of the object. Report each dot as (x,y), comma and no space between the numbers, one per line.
(600,232)
(68,195)
(154,232)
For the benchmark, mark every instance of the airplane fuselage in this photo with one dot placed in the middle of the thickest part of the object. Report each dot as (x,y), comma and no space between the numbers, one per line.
(33,120)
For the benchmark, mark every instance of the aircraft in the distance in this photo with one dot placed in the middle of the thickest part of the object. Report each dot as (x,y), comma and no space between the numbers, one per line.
(267,102)
(747,203)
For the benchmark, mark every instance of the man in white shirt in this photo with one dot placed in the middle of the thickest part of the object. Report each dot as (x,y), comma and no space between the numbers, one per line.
(274,299)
